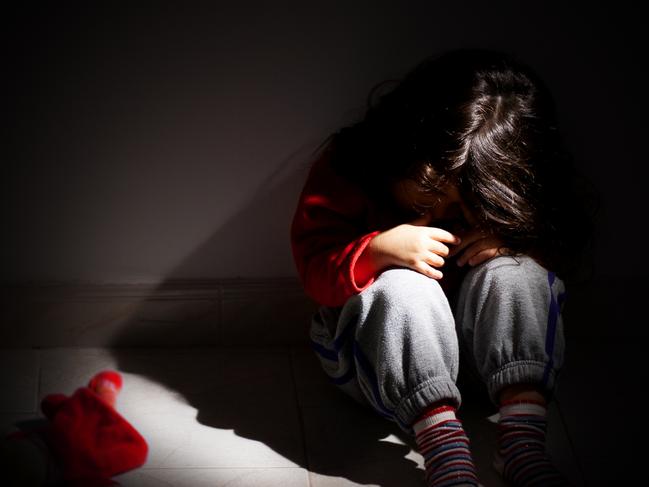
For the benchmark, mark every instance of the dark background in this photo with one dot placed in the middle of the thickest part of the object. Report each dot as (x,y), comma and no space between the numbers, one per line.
(147,144)
(150,144)
(138,134)
(153,143)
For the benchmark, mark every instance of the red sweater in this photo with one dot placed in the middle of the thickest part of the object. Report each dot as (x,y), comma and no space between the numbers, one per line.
(333,224)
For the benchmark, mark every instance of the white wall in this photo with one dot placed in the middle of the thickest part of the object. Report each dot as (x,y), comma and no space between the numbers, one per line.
(155,144)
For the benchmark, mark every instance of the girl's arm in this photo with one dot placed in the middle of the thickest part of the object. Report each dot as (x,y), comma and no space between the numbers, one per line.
(412,245)
(328,236)
(338,256)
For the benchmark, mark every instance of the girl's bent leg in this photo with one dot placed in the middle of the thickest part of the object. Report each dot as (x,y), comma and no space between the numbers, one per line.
(508,316)
(508,313)
(394,345)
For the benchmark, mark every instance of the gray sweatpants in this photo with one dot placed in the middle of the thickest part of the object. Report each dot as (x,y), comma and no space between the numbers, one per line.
(396,346)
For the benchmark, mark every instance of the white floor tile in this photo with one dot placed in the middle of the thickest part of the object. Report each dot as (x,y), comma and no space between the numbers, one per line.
(560,448)
(312,385)
(8,421)
(352,433)
(63,370)
(229,417)
(213,477)
(18,380)
(384,475)
(603,398)
(482,433)
(196,407)
(21,461)
(353,442)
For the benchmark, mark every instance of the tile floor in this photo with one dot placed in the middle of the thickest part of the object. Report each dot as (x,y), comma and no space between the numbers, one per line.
(264,417)
(258,417)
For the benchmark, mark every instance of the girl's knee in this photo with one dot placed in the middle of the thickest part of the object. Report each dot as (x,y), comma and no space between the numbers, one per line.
(508,274)
(403,285)
(404,297)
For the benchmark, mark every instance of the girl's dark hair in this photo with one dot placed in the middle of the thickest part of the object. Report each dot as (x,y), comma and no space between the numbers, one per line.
(487,123)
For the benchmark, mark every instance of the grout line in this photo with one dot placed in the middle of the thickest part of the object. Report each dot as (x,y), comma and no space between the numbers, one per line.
(208,467)
(39,375)
(307,466)
(220,323)
(37,386)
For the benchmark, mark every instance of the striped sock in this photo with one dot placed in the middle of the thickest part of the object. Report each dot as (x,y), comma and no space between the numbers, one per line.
(445,448)
(523,460)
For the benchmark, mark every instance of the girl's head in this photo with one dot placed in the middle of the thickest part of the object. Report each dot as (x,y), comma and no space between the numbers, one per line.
(481,123)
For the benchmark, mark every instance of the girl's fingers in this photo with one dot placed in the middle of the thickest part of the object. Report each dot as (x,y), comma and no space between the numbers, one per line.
(434,260)
(438,248)
(427,270)
(441,235)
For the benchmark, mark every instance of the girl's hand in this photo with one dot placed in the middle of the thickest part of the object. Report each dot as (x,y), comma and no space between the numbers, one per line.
(478,247)
(417,247)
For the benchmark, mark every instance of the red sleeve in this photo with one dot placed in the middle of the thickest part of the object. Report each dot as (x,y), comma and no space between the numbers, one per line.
(328,235)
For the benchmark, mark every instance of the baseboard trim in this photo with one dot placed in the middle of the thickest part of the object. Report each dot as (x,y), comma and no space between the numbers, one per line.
(178,312)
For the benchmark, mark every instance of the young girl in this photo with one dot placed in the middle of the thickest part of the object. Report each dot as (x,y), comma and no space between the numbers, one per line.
(442,222)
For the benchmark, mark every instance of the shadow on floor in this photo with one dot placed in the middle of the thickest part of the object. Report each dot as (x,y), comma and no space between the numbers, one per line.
(338,437)
(257,400)
(253,399)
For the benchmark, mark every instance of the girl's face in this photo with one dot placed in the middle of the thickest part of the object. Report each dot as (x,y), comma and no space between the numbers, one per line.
(445,207)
